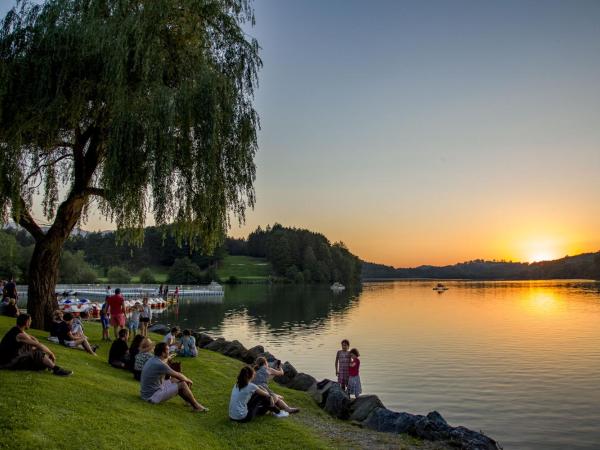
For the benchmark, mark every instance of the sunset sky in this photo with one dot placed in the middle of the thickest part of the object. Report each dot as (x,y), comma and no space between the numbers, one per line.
(430,132)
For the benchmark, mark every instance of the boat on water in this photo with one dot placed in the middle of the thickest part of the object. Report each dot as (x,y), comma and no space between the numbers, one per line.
(337,286)
(440,288)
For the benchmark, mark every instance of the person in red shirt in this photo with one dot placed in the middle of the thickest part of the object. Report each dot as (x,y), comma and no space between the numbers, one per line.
(354,386)
(116,306)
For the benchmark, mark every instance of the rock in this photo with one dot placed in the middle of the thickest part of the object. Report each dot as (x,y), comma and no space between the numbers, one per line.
(202,339)
(302,382)
(216,345)
(337,402)
(289,372)
(270,357)
(255,352)
(319,390)
(362,407)
(471,440)
(382,419)
(432,430)
(159,329)
(235,349)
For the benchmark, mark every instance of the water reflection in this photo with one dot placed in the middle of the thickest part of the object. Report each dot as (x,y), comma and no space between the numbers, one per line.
(517,359)
(278,308)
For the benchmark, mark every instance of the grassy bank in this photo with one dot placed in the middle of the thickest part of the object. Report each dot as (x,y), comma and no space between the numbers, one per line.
(99,407)
(244,268)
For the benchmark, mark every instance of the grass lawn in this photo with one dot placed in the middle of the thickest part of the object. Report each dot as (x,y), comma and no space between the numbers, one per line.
(99,407)
(244,268)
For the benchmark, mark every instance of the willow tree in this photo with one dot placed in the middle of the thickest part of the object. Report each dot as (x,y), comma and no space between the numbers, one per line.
(143,106)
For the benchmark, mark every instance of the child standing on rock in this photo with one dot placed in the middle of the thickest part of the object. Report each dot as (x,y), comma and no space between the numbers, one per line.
(342,364)
(354,386)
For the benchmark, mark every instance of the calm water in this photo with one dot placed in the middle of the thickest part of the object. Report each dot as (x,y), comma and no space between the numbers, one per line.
(517,360)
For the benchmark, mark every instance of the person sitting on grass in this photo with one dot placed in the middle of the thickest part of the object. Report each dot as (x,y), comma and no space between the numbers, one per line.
(20,351)
(118,355)
(188,345)
(171,339)
(155,389)
(146,352)
(248,400)
(261,379)
(10,309)
(66,338)
(134,349)
(77,328)
(57,318)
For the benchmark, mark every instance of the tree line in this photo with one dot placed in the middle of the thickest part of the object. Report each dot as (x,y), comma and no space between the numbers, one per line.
(296,255)
(299,255)
(584,266)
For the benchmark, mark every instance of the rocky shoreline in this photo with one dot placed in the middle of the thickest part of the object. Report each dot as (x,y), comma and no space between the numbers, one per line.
(366,411)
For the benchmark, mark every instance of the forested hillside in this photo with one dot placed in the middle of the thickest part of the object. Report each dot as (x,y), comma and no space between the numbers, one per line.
(290,255)
(586,265)
(300,255)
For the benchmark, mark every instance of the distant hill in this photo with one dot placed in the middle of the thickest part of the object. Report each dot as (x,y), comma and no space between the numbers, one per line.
(586,265)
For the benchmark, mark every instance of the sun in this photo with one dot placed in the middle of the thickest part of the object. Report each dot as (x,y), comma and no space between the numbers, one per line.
(542,255)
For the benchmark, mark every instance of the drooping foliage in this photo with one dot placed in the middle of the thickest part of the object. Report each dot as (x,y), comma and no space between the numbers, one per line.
(145,103)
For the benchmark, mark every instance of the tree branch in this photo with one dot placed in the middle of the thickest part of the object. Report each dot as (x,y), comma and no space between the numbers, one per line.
(42,166)
(26,221)
(95,191)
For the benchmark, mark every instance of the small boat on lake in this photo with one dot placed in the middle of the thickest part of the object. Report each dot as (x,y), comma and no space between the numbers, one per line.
(440,288)
(337,286)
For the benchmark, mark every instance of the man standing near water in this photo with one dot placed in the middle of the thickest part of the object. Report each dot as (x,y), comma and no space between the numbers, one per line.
(116,305)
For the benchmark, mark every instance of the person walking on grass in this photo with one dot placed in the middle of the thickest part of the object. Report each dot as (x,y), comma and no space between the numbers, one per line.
(116,305)
(155,389)
(20,351)
(342,364)
(145,317)
(105,320)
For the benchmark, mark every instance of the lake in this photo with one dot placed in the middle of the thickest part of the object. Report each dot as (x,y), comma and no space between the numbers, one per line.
(517,360)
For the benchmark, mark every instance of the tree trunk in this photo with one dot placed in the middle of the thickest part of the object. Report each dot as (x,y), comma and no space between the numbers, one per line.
(43,275)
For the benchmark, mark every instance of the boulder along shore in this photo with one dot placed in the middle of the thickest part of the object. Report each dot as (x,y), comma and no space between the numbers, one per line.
(367,411)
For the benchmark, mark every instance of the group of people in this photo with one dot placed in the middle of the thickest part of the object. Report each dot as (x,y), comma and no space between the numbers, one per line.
(347,367)
(151,364)
(113,314)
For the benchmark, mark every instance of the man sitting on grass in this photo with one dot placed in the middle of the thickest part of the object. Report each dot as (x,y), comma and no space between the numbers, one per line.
(66,338)
(155,389)
(20,351)
(118,355)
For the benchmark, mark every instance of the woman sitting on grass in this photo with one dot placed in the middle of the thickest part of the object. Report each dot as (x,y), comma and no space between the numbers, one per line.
(261,379)
(146,352)
(248,400)
(188,345)
(66,338)
(134,349)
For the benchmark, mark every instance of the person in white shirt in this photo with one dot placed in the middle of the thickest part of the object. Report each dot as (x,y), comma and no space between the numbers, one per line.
(248,400)
(145,317)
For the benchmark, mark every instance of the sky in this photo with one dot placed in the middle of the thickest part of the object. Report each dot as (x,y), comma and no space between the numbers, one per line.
(430,132)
